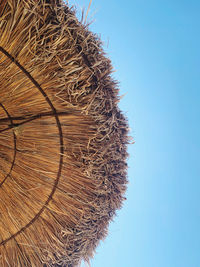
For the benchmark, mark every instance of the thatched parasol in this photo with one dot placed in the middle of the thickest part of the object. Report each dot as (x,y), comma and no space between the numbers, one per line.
(62,137)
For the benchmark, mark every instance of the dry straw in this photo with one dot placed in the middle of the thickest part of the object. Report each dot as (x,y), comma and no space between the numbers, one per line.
(62,137)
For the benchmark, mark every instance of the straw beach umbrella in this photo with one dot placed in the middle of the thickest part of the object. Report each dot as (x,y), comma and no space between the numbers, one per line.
(62,137)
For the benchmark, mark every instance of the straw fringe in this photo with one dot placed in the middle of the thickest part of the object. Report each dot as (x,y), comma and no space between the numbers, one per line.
(62,137)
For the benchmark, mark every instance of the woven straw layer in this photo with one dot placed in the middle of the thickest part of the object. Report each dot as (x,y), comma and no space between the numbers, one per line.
(62,137)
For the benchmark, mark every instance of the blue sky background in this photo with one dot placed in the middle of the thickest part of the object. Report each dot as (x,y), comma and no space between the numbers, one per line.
(155,49)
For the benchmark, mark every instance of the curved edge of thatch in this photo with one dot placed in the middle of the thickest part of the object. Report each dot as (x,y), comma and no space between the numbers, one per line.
(112,140)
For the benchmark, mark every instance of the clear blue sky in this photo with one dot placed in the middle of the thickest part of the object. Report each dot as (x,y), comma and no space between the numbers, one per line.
(155,49)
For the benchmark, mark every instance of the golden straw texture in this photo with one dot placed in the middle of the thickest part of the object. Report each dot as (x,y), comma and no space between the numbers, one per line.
(63,140)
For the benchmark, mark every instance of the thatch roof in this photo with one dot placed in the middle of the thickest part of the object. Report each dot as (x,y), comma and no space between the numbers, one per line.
(62,137)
